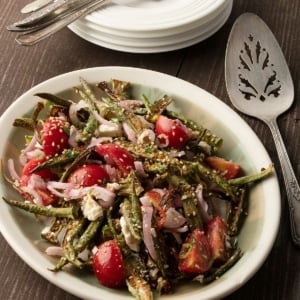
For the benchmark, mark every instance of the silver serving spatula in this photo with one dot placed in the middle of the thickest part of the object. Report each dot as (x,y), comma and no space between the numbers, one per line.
(259,84)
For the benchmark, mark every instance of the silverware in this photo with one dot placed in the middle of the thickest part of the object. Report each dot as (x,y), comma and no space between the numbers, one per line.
(39,22)
(259,84)
(41,32)
(52,10)
(34,6)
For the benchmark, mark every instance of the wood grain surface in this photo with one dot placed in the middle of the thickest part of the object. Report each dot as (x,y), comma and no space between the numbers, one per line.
(203,65)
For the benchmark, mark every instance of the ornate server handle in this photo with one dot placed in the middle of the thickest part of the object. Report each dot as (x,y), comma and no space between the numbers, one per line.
(291,183)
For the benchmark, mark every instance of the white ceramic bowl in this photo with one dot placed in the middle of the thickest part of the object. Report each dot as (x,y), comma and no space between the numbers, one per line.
(257,236)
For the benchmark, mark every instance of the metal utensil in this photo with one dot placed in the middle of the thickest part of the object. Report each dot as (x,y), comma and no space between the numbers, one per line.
(49,11)
(34,6)
(33,37)
(53,15)
(259,84)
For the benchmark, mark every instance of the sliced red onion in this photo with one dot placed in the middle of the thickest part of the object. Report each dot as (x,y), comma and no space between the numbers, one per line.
(61,185)
(36,153)
(111,171)
(174,219)
(30,147)
(56,187)
(146,123)
(104,196)
(12,170)
(131,242)
(203,207)
(102,120)
(147,136)
(129,133)
(147,212)
(72,137)
(54,251)
(37,182)
(145,200)
(139,168)
(35,196)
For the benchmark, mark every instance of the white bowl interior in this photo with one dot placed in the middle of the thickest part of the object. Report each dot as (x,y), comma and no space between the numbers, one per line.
(241,144)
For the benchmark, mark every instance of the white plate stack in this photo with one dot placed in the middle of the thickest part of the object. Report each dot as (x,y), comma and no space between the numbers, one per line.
(151,26)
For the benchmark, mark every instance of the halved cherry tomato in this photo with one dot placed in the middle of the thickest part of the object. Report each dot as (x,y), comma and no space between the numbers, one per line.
(217,233)
(108,265)
(227,168)
(46,174)
(116,156)
(54,136)
(88,175)
(195,256)
(171,132)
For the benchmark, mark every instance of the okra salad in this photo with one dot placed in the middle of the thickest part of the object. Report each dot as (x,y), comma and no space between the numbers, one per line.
(129,189)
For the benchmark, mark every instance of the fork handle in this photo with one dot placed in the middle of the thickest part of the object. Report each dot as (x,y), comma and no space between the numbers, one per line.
(291,183)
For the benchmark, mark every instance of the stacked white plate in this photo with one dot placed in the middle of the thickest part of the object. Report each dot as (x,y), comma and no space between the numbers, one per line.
(150,26)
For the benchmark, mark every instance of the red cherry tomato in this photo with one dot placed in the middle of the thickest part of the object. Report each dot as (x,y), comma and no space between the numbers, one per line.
(195,256)
(108,265)
(217,233)
(54,136)
(116,156)
(46,174)
(171,133)
(88,175)
(227,168)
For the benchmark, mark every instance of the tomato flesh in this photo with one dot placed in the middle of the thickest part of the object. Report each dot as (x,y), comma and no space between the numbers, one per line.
(217,233)
(88,175)
(227,168)
(46,174)
(195,256)
(116,156)
(108,265)
(171,133)
(54,137)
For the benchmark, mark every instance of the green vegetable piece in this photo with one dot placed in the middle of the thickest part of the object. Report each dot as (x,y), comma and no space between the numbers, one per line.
(70,212)
(252,177)
(206,135)
(55,99)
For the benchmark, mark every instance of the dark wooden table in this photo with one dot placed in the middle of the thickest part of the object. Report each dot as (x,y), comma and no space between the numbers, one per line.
(202,64)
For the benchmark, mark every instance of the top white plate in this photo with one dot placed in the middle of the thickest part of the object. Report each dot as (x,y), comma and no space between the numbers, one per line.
(148,15)
(22,231)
